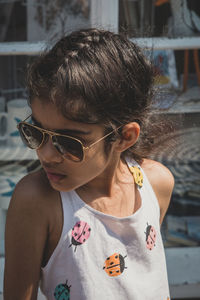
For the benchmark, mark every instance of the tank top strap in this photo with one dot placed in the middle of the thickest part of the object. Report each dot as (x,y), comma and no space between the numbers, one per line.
(141,180)
(69,207)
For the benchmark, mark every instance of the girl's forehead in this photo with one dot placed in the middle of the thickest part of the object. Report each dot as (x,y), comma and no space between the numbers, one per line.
(50,117)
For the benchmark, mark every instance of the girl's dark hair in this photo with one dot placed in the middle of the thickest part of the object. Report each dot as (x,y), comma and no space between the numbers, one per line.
(96,76)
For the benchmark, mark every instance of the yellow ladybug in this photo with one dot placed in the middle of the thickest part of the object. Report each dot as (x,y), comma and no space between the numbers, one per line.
(137,175)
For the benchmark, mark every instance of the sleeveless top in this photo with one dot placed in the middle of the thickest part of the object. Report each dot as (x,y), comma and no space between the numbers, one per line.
(102,257)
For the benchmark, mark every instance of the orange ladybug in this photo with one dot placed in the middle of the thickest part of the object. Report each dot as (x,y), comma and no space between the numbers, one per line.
(114,265)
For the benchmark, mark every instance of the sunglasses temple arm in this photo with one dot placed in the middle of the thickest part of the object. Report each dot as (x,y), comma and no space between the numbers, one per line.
(27,118)
(24,120)
(105,136)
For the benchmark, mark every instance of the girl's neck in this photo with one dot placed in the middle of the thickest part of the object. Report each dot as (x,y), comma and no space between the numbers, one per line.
(113,193)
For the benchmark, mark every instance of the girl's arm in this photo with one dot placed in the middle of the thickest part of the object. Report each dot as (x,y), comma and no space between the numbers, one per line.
(25,238)
(162,182)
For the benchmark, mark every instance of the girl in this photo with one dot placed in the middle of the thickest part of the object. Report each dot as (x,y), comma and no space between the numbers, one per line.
(87,225)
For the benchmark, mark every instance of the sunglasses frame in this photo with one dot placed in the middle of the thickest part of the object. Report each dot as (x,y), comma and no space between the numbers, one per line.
(51,134)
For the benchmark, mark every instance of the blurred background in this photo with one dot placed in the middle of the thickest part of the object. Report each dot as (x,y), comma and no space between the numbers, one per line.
(169,33)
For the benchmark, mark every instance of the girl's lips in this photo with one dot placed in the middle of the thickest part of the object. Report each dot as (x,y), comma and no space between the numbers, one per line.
(55,177)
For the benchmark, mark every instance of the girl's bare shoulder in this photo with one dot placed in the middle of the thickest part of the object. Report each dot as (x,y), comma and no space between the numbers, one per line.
(157,173)
(34,184)
(162,182)
(30,219)
(34,192)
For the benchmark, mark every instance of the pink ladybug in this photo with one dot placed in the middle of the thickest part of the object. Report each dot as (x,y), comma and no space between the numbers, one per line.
(80,233)
(150,237)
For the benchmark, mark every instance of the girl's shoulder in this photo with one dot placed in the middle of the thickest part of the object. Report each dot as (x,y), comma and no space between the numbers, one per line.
(156,171)
(162,182)
(34,194)
(32,220)
(35,185)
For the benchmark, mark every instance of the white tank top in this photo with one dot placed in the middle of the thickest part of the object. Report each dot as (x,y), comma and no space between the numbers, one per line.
(102,257)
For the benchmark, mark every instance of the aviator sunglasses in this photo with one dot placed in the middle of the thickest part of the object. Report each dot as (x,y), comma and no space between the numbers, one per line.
(69,147)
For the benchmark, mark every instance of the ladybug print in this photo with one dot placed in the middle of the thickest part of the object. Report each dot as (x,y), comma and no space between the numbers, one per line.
(80,233)
(137,175)
(114,265)
(150,237)
(62,292)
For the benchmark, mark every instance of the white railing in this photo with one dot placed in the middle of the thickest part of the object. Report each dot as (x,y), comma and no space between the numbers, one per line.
(34,48)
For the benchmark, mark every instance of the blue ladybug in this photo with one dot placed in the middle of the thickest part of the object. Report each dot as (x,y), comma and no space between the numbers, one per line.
(62,292)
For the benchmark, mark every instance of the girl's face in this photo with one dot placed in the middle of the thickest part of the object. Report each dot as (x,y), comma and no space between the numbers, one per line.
(64,174)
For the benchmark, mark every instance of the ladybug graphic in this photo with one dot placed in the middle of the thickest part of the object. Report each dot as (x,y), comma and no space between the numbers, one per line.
(114,265)
(150,237)
(62,292)
(80,233)
(137,175)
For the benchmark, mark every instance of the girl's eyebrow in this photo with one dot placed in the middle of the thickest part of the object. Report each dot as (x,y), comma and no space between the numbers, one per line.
(62,131)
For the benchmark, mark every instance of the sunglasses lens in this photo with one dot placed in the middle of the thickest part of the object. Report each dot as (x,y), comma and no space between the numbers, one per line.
(69,148)
(31,136)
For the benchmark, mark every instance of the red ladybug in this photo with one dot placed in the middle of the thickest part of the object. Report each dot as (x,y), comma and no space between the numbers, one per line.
(150,237)
(114,265)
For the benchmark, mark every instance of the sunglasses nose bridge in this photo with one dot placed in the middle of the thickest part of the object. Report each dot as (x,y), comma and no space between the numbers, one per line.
(46,136)
(48,141)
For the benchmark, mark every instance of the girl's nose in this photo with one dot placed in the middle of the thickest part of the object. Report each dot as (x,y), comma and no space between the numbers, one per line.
(48,153)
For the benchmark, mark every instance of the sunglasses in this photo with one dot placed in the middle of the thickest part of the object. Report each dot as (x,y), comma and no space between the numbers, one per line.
(69,147)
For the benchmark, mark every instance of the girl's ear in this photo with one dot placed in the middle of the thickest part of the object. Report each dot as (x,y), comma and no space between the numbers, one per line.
(129,136)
